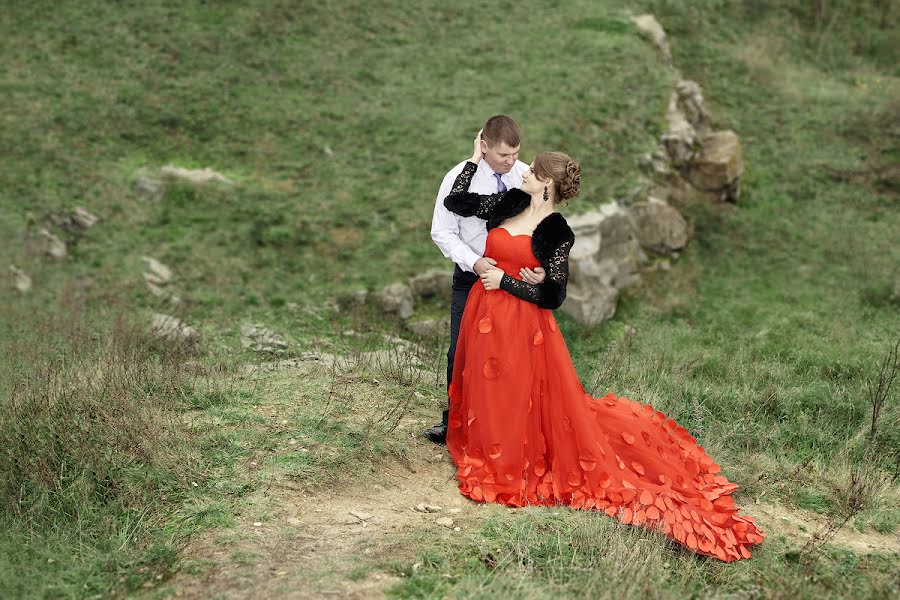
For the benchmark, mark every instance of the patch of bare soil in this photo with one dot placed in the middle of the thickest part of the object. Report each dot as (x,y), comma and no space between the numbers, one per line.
(291,544)
(800,525)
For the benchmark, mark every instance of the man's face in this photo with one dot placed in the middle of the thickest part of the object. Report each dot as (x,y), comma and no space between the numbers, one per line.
(500,157)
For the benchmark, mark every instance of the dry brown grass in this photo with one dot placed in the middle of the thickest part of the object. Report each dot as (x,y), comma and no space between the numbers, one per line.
(86,416)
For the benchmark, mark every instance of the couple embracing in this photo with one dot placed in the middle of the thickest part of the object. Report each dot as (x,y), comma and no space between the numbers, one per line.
(520,428)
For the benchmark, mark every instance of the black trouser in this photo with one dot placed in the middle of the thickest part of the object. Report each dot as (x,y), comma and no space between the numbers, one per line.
(462,284)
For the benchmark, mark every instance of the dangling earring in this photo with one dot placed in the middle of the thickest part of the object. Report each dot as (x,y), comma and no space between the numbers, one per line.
(546,194)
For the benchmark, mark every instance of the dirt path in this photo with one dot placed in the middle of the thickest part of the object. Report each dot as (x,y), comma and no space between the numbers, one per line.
(288,544)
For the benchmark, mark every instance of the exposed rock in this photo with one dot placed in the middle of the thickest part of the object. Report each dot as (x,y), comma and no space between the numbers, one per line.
(306,363)
(606,257)
(196,176)
(428,508)
(397,299)
(429,327)
(70,221)
(150,188)
(619,239)
(679,140)
(687,122)
(445,522)
(593,306)
(260,339)
(53,247)
(157,272)
(172,329)
(689,101)
(409,347)
(660,227)
(650,28)
(656,165)
(431,283)
(719,163)
(21,280)
(154,288)
(83,219)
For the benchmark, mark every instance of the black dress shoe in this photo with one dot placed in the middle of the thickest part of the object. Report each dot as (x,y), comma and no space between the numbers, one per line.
(437,434)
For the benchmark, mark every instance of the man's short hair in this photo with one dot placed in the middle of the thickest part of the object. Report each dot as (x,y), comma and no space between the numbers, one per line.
(500,128)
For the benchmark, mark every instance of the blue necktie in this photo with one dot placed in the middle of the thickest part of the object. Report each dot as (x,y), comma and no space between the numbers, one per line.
(501,187)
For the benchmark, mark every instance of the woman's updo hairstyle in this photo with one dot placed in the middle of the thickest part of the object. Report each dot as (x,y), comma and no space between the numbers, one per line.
(562,170)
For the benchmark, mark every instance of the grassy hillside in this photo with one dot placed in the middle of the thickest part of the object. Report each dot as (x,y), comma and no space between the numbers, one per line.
(336,121)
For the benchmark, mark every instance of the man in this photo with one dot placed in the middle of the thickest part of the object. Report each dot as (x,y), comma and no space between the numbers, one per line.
(462,239)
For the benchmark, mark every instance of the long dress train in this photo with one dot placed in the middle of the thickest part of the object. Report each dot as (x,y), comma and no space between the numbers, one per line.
(523,431)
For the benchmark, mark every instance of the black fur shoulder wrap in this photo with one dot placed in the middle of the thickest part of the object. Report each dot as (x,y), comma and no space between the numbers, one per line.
(551,241)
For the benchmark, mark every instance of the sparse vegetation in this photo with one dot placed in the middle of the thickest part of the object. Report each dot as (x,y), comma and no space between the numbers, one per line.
(769,337)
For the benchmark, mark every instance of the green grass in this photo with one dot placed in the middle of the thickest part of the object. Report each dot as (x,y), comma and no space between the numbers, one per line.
(537,553)
(337,121)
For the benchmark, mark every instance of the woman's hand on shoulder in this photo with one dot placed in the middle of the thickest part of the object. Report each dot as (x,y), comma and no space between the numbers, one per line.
(491,278)
(477,153)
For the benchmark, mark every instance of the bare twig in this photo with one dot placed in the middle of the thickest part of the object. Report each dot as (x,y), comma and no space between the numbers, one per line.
(880,389)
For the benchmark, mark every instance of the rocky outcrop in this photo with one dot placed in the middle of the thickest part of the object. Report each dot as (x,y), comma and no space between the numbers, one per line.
(52,246)
(158,278)
(21,280)
(171,329)
(151,184)
(150,188)
(650,28)
(660,228)
(400,299)
(396,299)
(195,176)
(645,231)
(431,283)
(718,166)
(693,157)
(429,327)
(260,339)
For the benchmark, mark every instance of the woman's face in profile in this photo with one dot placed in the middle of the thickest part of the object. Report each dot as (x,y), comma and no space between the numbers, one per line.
(530,181)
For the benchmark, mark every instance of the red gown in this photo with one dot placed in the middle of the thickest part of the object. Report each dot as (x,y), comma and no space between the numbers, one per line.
(523,431)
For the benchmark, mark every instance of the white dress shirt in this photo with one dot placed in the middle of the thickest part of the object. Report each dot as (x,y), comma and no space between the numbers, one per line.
(462,239)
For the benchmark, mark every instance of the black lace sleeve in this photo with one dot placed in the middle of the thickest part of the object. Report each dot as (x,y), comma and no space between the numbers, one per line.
(469,204)
(552,291)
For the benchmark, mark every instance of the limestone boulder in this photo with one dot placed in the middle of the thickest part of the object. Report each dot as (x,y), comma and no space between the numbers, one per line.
(397,299)
(260,339)
(660,227)
(619,241)
(53,247)
(688,99)
(195,176)
(149,188)
(431,283)
(429,327)
(650,28)
(21,280)
(172,329)
(156,273)
(591,307)
(719,164)
(83,219)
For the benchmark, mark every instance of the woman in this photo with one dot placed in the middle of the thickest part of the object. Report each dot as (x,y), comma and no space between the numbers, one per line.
(523,431)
